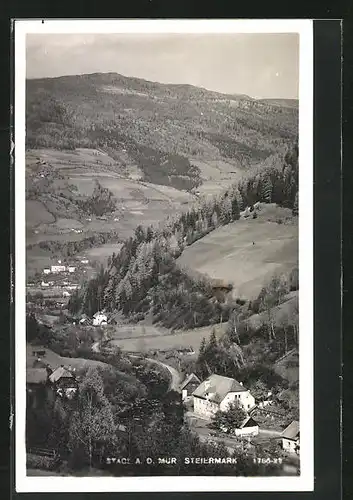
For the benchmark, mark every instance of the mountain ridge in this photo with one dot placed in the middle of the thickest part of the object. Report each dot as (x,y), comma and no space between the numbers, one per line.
(162,130)
(230,95)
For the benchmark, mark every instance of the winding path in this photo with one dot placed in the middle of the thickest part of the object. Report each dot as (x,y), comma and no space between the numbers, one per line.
(176,377)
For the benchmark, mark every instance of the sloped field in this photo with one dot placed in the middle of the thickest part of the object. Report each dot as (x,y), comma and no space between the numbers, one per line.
(178,339)
(247,252)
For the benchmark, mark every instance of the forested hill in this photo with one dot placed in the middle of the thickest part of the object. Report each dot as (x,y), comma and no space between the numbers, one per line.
(144,278)
(162,129)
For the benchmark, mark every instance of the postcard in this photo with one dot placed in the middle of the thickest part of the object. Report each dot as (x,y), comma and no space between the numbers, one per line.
(164,222)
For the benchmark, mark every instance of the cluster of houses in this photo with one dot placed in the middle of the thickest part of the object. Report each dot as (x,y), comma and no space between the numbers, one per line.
(60,267)
(62,275)
(217,392)
(100,318)
(45,381)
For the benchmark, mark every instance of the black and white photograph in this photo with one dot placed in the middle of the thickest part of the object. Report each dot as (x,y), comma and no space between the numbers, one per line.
(163,174)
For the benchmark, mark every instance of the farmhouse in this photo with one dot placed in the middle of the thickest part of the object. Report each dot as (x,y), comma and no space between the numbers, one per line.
(64,382)
(99,319)
(189,385)
(290,438)
(217,392)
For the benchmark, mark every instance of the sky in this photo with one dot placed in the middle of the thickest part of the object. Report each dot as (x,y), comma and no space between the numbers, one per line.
(259,65)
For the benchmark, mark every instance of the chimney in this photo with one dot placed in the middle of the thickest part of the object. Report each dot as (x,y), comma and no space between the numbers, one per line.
(241,383)
(207,385)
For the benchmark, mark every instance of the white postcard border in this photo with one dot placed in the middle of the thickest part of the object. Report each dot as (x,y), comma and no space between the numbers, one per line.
(304,482)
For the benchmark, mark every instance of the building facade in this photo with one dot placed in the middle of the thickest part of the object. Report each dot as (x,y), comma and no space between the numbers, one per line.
(291,438)
(217,392)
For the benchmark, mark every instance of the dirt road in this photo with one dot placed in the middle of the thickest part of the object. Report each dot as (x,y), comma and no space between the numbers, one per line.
(176,377)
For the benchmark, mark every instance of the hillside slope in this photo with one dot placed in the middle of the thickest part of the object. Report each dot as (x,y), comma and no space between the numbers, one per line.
(156,147)
(247,252)
(156,128)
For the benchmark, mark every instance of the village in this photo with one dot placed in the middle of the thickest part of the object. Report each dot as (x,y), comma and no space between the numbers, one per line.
(53,286)
(258,424)
(206,403)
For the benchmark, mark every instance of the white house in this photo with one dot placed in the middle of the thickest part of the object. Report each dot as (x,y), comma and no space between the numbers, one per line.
(291,438)
(84,261)
(71,269)
(46,271)
(99,319)
(58,269)
(66,294)
(249,427)
(217,392)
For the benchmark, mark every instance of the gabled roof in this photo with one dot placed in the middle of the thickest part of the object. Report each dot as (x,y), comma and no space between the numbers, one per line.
(191,378)
(59,373)
(218,388)
(248,422)
(36,375)
(292,431)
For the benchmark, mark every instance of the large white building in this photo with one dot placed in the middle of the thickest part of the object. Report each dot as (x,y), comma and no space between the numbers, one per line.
(217,392)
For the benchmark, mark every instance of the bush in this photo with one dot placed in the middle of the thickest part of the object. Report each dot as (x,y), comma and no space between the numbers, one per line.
(39,462)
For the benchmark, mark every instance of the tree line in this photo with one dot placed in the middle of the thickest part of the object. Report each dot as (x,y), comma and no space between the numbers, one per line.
(68,249)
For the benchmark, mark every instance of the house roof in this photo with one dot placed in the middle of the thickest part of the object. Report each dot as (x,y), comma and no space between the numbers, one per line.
(59,373)
(36,375)
(192,377)
(292,431)
(218,388)
(248,422)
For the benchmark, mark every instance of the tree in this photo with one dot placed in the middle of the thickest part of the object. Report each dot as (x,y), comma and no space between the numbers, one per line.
(235,209)
(229,420)
(92,427)
(202,347)
(75,303)
(259,390)
(270,297)
(232,331)
(267,188)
